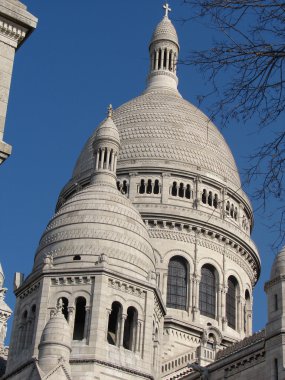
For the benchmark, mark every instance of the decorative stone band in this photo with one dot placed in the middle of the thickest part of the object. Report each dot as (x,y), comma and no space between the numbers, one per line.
(12,31)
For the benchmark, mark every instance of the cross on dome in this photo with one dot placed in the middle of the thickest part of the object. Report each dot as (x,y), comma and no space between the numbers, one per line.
(110,111)
(167,9)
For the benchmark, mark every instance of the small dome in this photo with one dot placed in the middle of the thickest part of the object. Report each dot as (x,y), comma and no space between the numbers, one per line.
(165,31)
(278,267)
(97,221)
(107,130)
(56,332)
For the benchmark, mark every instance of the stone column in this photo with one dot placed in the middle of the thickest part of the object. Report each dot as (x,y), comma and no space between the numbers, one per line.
(86,323)
(195,301)
(166,179)
(224,320)
(122,325)
(133,190)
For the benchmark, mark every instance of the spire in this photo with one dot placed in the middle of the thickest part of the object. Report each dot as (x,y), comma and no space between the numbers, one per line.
(106,147)
(163,49)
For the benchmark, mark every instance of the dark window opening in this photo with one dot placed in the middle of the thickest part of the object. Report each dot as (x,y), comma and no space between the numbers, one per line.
(174,189)
(130,328)
(156,187)
(170,60)
(275,302)
(231,302)
(188,192)
(164,58)
(159,59)
(149,187)
(124,187)
(181,190)
(210,199)
(232,211)
(64,307)
(77,257)
(142,187)
(113,324)
(207,291)
(79,322)
(177,283)
(215,201)
(228,208)
(204,196)
(276,376)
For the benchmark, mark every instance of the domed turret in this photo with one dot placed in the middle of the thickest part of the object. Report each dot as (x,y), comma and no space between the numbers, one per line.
(278,266)
(55,344)
(99,219)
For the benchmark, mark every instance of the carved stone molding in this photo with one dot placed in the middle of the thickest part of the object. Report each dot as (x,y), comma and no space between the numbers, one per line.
(126,288)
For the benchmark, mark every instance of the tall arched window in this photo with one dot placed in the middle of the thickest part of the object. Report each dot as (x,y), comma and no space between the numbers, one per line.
(177,283)
(207,291)
(80,316)
(174,189)
(113,324)
(64,306)
(130,328)
(231,301)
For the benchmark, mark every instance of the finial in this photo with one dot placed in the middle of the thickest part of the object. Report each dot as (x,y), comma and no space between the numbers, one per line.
(167,9)
(110,111)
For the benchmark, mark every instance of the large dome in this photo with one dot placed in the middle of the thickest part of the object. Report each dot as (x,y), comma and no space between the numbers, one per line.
(161,129)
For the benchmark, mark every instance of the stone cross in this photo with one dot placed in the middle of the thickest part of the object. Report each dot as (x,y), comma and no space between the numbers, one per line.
(167,9)
(110,111)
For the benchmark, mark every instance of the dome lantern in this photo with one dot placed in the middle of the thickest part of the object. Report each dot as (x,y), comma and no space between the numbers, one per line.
(106,148)
(163,49)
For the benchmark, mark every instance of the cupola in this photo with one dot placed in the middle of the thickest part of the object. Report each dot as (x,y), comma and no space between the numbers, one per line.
(163,49)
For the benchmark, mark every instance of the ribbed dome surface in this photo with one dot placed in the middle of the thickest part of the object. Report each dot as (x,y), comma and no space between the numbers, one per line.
(98,220)
(57,332)
(159,128)
(165,31)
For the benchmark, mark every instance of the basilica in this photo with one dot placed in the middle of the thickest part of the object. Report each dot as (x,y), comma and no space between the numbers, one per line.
(147,268)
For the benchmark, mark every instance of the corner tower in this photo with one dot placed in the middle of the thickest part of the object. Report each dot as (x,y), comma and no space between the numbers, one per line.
(95,256)
(16,24)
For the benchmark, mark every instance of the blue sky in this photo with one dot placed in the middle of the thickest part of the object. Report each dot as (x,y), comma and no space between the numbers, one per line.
(83,56)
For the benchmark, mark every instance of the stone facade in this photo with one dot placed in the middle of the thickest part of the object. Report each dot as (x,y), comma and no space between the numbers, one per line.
(16,24)
(148,265)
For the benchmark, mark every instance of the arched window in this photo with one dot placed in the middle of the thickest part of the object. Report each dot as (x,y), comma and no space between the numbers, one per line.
(181,190)
(207,291)
(130,328)
(156,187)
(23,331)
(232,210)
(31,325)
(80,316)
(228,208)
(142,187)
(64,306)
(125,187)
(188,192)
(204,196)
(235,213)
(113,324)
(174,189)
(170,60)
(149,187)
(231,302)
(164,58)
(210,199)
(177,283)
